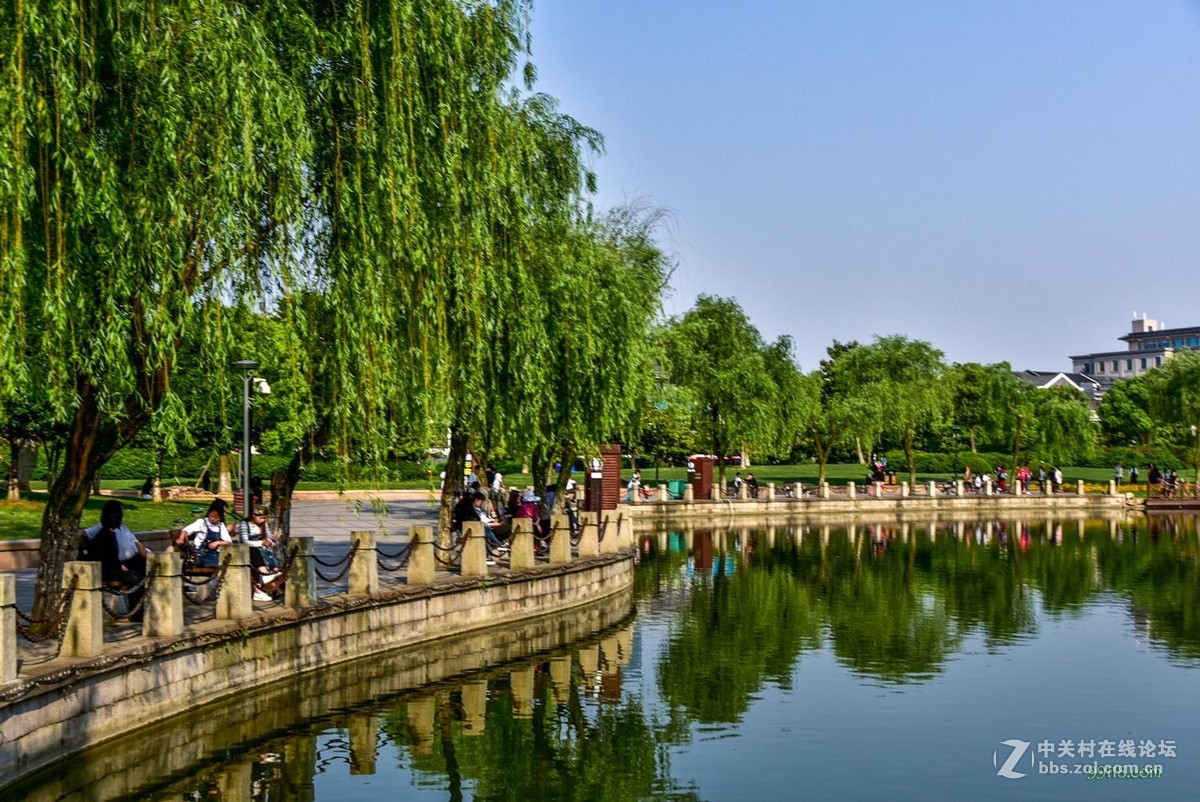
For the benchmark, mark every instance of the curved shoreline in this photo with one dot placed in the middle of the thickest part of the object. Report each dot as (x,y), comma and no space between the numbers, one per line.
(128,688)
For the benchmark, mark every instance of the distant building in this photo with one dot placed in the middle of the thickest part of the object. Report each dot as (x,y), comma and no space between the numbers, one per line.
(1044,379)
(1149,345)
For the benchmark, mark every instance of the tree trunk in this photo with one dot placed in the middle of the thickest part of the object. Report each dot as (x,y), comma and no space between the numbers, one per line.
(454,471)
(89,444)
(971,435)
(224,479)
(1017,444)
(564,473)
(911,456)
(14,487)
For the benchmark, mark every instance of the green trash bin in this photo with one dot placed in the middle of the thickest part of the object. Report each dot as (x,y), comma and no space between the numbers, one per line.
(675,488)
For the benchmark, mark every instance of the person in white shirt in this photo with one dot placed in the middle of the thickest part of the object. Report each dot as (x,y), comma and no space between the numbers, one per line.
(264,568)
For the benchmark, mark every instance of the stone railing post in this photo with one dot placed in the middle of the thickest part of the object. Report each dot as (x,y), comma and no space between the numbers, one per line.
(8,628)
(474,553)
(1079,487)
(743,492)
(798,490)
(770,491)
(904,490)
(234,602)
(1112,487)
(421,563)
(521,556)
(301,587)
(987,486)
(608,544)
(932,489)
(958,487)
(85,620)
(364,568)
(589,545)
(164,602)
(625,528)
(851,490)
(689,493)
(560,542)
(664,493)
(824,491)
(714,493)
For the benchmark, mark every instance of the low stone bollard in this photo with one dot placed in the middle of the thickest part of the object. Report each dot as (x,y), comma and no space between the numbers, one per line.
(364,568)
(589,545)
(1112,487)
(85,620)
(824,490)
(301,587)
(987,487)
(560,542)
(8,628)
(234,601)
(664,493)
(958,487)
(932,489)
(770,491)
(689,494)
(607,536)
(521,556)
(904,491)
(474,552)
(625,528)
(714,493)
(851,490)
(743,492)
(421,563)
(798,490)
(1079,487)
(164,600)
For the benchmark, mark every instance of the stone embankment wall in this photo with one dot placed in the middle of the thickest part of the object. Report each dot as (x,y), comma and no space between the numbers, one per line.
(117,693)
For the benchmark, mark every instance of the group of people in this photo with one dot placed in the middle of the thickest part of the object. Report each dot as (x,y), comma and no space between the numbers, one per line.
(122,556)
(475,505)
(750,483)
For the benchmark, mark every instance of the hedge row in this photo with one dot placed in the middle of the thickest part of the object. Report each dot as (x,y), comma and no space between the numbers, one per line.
(139,463)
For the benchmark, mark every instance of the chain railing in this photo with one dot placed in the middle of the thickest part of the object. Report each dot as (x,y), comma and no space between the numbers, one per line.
(219,578)
(54,625)
(345,562)
(144,586)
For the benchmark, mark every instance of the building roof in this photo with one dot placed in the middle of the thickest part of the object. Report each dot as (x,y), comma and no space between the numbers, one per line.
(1046,378)
(1120,354)
(1159,333)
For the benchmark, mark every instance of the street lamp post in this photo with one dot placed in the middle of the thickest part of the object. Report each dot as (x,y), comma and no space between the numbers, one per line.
(247,367)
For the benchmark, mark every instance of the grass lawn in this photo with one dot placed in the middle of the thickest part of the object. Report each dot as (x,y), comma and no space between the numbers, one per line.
(23,519)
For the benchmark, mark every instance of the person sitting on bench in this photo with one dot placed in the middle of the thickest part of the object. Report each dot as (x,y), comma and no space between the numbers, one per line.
(121,555)
(209,534)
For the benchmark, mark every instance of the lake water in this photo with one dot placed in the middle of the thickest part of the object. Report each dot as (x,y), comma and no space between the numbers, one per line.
(911,661)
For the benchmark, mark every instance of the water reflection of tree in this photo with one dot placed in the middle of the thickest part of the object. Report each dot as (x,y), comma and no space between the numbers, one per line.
(564,751)
(735,634)
(1158,573)
(896,607)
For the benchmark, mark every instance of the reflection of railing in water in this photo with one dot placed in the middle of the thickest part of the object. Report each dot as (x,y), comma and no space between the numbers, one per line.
(349,697)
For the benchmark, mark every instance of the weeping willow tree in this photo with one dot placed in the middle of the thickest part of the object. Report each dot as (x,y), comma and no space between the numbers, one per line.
(604,284)
(153,164)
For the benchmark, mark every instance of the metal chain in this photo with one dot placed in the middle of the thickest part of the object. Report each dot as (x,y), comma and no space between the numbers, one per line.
(349,560)
(455,553)
(402,556)
(335,563)
(55,628)
(219,576)
(148,583)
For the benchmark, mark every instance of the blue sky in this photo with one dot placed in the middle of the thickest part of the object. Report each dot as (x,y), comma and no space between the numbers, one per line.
(1007,179)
